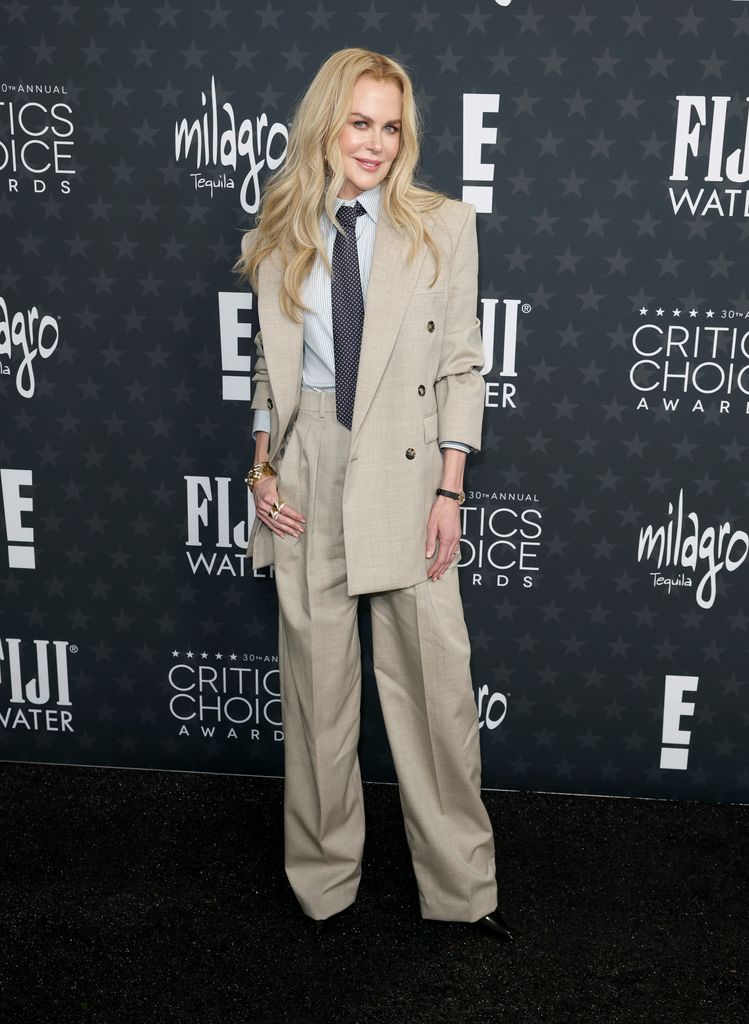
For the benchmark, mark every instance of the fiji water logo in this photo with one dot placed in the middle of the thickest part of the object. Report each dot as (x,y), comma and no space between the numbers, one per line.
(34,685)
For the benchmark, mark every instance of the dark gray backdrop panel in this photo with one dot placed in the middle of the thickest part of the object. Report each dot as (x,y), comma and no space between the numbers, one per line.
(134,633)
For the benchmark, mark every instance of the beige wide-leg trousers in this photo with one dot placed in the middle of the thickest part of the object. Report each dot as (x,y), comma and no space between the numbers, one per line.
(421,662)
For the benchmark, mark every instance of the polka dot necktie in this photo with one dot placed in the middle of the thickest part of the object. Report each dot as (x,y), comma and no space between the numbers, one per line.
(348,312)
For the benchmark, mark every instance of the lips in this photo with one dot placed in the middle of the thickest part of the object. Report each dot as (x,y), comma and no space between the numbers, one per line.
(368,165)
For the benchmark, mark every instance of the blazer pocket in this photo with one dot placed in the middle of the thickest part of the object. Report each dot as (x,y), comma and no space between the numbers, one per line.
(431,427)
(428,291)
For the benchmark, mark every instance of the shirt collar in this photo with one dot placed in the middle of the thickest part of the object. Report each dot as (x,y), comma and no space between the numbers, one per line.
(369,199)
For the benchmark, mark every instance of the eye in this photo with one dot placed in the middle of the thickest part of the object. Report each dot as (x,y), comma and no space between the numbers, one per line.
(394,129)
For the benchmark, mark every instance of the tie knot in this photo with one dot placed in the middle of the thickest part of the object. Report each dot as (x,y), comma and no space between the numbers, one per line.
(347,215)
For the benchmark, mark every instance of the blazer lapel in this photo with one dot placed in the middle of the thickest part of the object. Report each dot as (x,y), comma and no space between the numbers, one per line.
(391,283)
(389,289)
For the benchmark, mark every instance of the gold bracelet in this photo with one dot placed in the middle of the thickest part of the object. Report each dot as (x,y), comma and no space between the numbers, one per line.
(258,471)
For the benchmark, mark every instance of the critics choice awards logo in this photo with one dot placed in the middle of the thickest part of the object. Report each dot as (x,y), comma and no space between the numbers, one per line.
(690,366)
(230,696)
(501,538)
(37,136)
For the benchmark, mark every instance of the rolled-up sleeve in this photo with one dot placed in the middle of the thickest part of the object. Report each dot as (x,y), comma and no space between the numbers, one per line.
(459,385)
(261,421)
(456,444)
(261,389)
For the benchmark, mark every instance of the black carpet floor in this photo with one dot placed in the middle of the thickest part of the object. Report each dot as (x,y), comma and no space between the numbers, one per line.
(142,896)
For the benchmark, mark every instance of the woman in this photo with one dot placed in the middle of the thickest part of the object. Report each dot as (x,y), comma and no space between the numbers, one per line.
(362,426)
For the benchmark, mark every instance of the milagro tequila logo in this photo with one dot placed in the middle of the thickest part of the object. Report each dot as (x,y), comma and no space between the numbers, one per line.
(34,685)
(24,335)
(215,140)
(682,543)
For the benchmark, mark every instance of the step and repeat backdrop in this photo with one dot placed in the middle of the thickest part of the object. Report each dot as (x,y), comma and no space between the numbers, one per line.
(604,558)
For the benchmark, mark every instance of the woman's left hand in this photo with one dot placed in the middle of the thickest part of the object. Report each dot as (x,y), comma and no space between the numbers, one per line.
(443,525)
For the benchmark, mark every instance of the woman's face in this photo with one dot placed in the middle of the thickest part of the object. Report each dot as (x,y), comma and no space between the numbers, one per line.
(370,138)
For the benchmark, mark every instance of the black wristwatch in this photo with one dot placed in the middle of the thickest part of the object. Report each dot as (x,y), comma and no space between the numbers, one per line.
(460,498)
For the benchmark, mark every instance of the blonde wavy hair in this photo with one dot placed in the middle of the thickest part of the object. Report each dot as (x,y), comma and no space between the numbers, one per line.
(311,177)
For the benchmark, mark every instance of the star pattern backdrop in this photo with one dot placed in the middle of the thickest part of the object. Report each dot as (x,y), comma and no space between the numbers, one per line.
(603,564)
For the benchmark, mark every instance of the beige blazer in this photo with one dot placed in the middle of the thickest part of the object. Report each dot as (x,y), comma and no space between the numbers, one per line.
(419,383)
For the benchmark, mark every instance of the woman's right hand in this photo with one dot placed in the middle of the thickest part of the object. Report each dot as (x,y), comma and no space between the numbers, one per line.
(288,519)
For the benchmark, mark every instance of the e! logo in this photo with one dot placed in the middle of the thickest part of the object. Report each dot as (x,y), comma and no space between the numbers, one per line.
(675,749)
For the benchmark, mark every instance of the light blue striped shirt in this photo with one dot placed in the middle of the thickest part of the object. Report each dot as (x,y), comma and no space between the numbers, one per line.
(318,368)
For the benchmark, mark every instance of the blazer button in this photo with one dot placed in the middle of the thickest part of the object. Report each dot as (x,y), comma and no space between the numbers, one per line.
(410,453)
(270,403)
(430,325)
(422,389)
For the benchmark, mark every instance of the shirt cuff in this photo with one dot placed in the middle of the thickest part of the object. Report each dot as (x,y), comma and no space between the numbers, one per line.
(260,422)
(456,444)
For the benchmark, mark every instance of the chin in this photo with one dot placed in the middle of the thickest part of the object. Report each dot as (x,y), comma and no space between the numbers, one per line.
(363,180)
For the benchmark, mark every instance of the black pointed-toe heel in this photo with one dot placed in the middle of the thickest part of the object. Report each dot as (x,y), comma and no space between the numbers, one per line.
(494,922)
